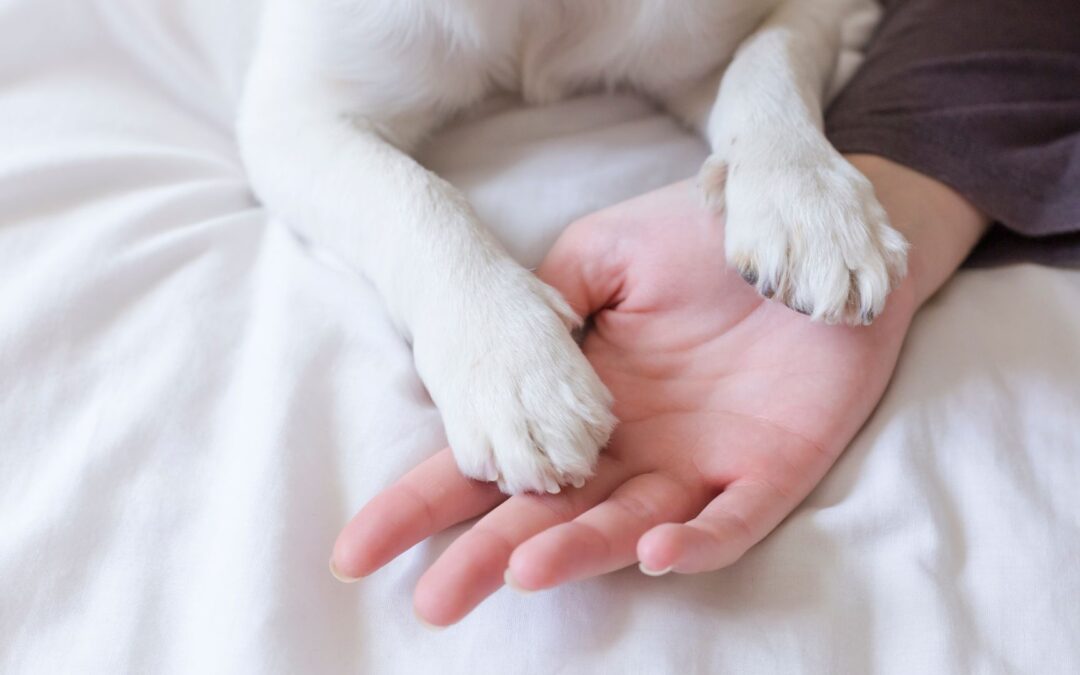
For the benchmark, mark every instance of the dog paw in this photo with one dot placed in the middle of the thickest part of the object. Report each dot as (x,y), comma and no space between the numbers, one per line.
(521,405)
(810,234)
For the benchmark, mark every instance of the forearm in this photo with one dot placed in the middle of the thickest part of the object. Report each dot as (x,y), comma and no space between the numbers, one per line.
(941,225)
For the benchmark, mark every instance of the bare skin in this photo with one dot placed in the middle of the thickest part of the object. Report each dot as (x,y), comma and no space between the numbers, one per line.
(731,408)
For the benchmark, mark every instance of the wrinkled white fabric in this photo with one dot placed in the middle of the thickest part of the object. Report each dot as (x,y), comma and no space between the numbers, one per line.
(191,405)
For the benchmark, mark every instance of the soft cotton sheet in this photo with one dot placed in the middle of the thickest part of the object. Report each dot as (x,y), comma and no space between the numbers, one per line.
(192,404)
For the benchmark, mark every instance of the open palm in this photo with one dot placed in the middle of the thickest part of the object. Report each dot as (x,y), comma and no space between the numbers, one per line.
(731,409)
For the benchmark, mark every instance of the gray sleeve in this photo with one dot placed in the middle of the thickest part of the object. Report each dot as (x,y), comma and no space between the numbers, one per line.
(983,95)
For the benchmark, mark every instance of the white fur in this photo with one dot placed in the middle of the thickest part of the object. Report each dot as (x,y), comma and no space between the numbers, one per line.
(342,91)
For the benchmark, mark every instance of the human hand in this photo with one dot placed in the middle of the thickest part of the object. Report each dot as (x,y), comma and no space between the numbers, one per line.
(732,409)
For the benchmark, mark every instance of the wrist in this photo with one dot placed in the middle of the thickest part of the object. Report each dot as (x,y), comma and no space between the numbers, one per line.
(940,225)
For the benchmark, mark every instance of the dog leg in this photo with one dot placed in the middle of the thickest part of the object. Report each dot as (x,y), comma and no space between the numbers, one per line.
(803,225)
(521,404)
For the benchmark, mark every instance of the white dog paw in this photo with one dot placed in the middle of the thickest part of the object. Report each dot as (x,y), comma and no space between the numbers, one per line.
(810,234)
(521,405)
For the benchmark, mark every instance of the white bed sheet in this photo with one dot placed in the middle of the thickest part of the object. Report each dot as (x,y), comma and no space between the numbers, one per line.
(191,406)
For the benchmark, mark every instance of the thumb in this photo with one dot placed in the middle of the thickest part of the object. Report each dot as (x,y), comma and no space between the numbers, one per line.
(585,267)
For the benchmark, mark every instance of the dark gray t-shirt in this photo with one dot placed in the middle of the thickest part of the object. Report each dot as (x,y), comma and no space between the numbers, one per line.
(983,95)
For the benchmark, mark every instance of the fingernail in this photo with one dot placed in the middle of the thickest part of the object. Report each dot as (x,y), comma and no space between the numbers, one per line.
(339,576)
(750,276)
(513,584)
(806,311)
(426,624)
(654,573)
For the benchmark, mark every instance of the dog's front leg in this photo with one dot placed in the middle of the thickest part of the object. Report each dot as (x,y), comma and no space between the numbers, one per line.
(520,403)
(803,225)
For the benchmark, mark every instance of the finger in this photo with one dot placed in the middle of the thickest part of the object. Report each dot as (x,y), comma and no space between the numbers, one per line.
(604,538)
(427,500)
(588,278)
(738,518)
(474,566)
